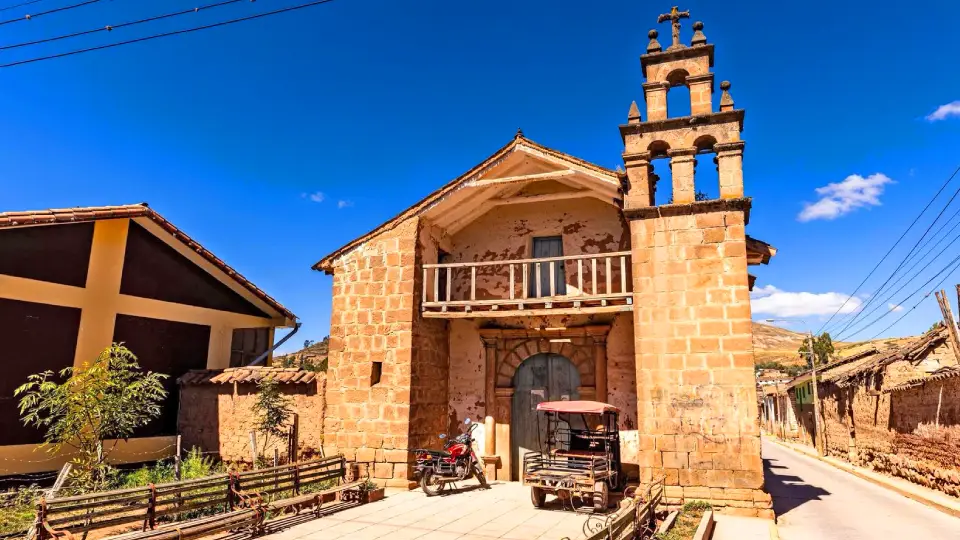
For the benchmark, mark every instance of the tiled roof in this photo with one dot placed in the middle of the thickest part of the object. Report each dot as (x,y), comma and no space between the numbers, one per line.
(947,372)
(94,213)
(247,375)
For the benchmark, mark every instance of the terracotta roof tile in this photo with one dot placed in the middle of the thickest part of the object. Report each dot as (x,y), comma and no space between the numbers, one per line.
(93,213)
(248,374)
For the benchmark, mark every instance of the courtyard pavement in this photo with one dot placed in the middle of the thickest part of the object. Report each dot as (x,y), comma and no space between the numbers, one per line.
(504,511)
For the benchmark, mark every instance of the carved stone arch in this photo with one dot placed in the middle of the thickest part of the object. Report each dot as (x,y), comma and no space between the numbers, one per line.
(579,350)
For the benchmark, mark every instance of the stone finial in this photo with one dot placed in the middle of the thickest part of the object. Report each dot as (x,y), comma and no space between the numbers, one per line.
(698,37)
(519,134)
(654,45)
(726,102)
(633,116)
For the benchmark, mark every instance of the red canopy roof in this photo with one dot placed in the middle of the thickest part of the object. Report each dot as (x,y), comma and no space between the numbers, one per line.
(577,407)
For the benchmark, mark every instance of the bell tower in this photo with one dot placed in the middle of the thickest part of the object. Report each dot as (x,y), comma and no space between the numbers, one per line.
(696,396)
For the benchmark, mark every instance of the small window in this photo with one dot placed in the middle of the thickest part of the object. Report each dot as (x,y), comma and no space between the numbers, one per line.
(375,372)
(248,344)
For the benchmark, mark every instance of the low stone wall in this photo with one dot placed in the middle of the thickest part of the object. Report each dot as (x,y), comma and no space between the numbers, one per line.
(219,417)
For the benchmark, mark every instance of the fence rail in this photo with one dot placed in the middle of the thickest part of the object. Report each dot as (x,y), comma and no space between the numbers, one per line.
(634,519)
(598,280)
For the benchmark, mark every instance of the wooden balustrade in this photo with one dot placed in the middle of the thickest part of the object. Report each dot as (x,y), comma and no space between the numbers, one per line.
(601,282)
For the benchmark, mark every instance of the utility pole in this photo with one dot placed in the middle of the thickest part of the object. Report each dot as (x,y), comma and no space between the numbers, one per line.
(816,400)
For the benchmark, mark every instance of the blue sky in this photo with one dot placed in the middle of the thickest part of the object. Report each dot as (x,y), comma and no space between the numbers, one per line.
(373,103)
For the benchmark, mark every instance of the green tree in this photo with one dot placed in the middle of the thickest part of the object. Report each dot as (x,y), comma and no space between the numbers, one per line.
(822,349)
(106,399)
(272,410)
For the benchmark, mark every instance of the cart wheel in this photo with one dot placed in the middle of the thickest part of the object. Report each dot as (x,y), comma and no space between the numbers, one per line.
(430,483)
(538,496)
(601,496)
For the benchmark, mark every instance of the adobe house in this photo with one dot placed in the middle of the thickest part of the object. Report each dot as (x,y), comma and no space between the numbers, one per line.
(73,281)
(538,276)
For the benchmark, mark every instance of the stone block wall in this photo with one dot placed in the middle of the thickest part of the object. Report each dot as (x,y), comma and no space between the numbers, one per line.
(219,418)
(696,401)
(373,322)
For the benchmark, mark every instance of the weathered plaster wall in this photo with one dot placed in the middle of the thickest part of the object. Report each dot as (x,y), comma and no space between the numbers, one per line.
(467,373)
(586,225)
(622,388)
(219,418)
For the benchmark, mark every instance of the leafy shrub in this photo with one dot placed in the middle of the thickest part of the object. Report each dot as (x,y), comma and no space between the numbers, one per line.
(17,508)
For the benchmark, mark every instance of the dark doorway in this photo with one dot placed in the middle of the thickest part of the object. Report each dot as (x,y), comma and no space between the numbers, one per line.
(542,377)
(546,247)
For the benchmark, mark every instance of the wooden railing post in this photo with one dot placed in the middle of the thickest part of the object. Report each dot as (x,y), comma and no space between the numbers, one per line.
(539,282)
(512,283)
(623,274)
(593,270)
(449,273)
(609,277)
(580,276)
(424,283)
(41,517)
(526,289)
(553,278)
(473,283)
(151,509)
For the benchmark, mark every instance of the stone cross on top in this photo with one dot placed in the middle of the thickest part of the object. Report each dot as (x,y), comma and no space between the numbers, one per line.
(675,15)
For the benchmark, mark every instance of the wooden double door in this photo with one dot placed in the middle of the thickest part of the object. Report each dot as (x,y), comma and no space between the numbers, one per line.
(542,377)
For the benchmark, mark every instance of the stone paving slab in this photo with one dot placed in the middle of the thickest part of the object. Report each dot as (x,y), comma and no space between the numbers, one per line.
(504,511)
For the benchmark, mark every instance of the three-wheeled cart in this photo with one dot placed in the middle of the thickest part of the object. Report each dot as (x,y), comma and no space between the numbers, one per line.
(580,457)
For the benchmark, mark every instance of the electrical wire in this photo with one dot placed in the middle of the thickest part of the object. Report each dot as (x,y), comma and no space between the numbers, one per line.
(21,4)
(914,306)
(167,34)
(887,254)
(906,298)
(49,11)
(916,245)
(111,27)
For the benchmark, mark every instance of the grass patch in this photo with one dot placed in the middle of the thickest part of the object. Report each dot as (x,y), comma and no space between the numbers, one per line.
(687,521)
(17,509)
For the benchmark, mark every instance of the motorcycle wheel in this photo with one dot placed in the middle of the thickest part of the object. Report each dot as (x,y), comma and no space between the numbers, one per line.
(430,484)
(601,496)
(537,496)
(482,478)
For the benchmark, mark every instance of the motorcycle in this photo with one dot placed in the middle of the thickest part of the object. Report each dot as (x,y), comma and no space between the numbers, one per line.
(435,469)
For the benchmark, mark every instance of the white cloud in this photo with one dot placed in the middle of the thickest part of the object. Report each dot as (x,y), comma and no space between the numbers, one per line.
(777,303)
(895,307)
(945,111)
(317,196)
(344,204)
(837,199)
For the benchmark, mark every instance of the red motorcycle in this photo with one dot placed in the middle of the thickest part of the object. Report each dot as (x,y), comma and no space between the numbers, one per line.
(455,463)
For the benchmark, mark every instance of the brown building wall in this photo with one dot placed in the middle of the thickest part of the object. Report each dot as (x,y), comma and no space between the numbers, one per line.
(897,432)
(695,383)
(622,387)
(586,225)
(219,418)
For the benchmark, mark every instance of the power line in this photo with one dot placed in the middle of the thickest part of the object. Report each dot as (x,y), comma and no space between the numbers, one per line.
(21,4)
(920,288)
(914,306)
(49,11)
(887,254)
(111,27)
(167,34)
(916,245)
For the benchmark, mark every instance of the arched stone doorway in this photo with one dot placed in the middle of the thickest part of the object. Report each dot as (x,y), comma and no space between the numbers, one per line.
(541,377)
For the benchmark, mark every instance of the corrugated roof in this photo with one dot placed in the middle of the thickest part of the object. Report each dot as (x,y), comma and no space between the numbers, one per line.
(94,213)
(250,374)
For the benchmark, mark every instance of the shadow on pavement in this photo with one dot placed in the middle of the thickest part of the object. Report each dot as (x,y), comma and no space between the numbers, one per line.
(788,491)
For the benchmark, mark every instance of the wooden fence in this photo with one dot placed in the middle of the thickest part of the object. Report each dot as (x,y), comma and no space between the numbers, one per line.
(634,519)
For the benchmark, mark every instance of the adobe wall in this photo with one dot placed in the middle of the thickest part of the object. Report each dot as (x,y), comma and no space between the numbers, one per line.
(622,388)
(896,432)
(587,226)
(697,398)
(219,418)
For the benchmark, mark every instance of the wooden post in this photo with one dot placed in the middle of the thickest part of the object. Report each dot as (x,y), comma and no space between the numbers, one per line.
(473,283)
(817,431)
(425,284)
(623,274)
(512,293)
(295,456)
(526,290)
(580,276)
(609,277)
(949,321)
(539,284)
(449,274)
(553,278)
(253,448)
(436,284)
(593,271)
(939,402)
(176,458)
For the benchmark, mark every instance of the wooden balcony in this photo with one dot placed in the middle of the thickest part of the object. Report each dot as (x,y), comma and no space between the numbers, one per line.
(590,283)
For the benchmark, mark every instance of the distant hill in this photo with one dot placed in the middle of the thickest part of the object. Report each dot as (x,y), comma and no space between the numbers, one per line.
(775,344)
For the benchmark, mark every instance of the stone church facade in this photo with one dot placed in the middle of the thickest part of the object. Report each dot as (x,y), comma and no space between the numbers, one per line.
(537,275)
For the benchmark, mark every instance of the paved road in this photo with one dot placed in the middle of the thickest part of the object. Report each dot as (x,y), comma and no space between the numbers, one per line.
(813,500)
